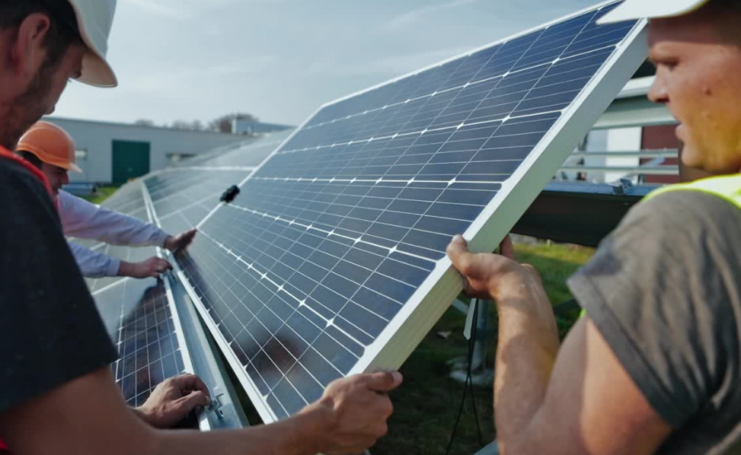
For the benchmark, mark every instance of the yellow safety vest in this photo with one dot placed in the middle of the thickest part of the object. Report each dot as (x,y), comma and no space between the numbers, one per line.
(727,188)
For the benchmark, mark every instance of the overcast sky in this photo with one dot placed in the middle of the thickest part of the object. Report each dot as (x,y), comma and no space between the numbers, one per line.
(281,59)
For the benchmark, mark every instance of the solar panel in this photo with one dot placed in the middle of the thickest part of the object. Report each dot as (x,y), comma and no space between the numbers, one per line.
(181,198)
(142,322)
(128,198)
(332,260)
(251,152)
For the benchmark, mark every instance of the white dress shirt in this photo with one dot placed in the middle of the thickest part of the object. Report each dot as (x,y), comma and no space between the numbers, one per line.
(84,220)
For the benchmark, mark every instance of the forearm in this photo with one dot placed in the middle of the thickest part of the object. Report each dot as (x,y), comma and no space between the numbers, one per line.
(298,435)
(93,264)
(139,412)
(528,345)
(126,269)
(109,429)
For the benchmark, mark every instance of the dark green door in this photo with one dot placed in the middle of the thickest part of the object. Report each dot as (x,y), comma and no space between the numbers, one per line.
(130,160)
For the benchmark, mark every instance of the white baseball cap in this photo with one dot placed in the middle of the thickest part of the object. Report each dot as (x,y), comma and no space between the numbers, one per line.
(95,19)
(651,9)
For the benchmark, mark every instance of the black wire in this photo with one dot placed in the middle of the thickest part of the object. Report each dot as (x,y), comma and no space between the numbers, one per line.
(474,334)
(469,382)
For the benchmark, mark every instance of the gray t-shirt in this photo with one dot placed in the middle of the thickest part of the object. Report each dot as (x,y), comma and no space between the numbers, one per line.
(665,292)
(50,330)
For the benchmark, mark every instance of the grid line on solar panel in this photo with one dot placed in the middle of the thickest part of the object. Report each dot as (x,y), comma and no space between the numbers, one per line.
(140,322)
(359,237)
(617,29)
(441,150)
(179,191)
(406,204)
(249,153)
(259,354)
(281,286)
(245,331)
(128,199)
(349,218)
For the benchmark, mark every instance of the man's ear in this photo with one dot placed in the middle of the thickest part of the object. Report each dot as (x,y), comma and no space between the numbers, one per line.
(28,50)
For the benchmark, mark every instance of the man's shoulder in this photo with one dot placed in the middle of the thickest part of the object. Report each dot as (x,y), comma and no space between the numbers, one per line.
(20,189)
(678,231)
(13,172)
(684,212)
(69,201)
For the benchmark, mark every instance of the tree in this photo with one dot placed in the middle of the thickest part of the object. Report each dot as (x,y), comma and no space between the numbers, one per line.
(197,125)
(223,124)
(144,122)
(181,125)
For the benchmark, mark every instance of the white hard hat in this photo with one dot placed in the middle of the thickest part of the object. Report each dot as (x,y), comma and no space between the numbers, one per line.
(651,9)
(94,19)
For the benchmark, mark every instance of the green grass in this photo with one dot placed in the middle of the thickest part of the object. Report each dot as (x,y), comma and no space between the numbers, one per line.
(427,405)
(104,193)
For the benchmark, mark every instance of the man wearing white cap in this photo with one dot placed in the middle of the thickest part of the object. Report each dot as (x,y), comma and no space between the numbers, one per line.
(655,364)
(56,391)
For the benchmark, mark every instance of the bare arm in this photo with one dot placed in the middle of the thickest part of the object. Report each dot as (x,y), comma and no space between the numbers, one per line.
(574,400)
(88,416)
(172,400)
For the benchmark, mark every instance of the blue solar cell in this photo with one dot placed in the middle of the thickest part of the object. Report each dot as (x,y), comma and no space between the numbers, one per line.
(140,322)
(333,236)
(184,194)
(251,152)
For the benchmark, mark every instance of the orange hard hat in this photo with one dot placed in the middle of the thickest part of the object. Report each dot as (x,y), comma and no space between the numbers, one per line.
(51,144)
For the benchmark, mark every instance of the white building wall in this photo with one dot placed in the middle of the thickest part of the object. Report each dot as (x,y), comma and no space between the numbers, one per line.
(596,142)
(622,140)
(97,139)
(612,140)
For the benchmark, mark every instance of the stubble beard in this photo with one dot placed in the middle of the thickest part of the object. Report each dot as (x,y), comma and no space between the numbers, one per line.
(27,108)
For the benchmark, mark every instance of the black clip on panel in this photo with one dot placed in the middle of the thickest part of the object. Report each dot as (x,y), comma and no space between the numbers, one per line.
(230,194)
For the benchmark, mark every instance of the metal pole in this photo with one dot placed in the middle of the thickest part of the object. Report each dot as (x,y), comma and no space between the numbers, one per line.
(480,375)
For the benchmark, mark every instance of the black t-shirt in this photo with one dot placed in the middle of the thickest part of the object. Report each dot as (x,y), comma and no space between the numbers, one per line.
(50,330)
(664,290)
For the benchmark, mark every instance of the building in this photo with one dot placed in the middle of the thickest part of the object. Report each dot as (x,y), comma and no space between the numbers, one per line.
(116,152)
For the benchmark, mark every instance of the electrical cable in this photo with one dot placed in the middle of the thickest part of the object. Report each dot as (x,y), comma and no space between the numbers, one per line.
(472,346)
(468,385)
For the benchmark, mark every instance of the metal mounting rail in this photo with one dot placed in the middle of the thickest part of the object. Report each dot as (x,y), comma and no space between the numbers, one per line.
(634,170)
(669,153)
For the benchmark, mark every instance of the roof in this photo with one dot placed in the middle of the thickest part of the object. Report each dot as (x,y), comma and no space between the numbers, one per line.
(131,125)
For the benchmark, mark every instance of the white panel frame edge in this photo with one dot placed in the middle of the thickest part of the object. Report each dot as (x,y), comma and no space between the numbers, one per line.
(407,329)
(203,423)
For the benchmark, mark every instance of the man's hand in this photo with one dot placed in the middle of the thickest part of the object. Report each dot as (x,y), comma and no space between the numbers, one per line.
(181,241)
(491,276)
(151,268)
(358,408)
(172,400)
